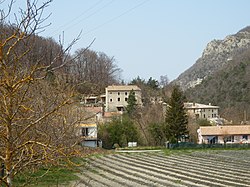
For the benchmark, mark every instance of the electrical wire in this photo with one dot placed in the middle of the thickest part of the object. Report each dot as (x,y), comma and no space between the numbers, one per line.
(70,24)
(116,17)
(77,17)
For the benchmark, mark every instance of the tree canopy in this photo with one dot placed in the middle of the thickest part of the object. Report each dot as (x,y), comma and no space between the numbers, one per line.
(93,71)
(119,131)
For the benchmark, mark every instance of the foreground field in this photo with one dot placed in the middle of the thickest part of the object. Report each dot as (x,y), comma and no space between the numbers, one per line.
(199,168)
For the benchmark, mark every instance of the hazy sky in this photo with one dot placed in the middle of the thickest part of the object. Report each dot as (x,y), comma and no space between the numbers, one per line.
(148,38)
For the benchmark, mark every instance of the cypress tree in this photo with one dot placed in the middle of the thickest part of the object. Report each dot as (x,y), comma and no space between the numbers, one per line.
(176,117)
(131,107)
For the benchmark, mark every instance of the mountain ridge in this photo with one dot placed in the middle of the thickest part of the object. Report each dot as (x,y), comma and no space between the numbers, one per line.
(222,77)
(216,55)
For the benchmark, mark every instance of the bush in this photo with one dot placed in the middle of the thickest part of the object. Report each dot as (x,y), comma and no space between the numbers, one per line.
(119,131)
(203,122)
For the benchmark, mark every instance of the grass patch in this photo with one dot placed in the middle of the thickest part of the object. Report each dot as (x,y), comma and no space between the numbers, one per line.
(190,150)
(50,176)
(55,175)
(45,177)
(169,152)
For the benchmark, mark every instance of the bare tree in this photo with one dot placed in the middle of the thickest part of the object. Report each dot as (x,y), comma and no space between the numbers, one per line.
(94,71)
(34,125)
(164,81)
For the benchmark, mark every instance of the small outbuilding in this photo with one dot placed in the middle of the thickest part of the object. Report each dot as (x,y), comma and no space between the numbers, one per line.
(88,132)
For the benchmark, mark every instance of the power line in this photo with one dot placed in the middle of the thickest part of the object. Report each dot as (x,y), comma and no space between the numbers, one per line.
(115,18)
(70,25)
(83,13)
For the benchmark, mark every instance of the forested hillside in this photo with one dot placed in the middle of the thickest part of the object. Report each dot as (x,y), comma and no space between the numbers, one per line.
(228,88)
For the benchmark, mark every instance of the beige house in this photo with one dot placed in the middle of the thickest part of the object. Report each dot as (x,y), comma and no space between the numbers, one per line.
(89,118)
(202,111)
(224,134)
(88,132)
(117,97)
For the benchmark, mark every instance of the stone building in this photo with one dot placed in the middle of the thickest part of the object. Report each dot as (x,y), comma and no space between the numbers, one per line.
(202,111)
(117,97)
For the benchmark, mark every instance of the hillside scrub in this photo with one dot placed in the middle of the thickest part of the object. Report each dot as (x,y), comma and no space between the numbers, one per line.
(228,88)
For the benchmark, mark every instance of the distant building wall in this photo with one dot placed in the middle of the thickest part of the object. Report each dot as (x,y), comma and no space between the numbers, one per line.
(202,111)
(117,97)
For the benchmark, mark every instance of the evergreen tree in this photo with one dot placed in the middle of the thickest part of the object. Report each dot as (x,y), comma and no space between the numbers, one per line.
(176,117)
(153,84)
(131,107)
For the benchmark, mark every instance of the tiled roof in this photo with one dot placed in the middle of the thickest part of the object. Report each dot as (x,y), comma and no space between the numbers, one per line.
(123,88)
(93,110)
(199,106)
(225,130)
(87,125)
(112,114)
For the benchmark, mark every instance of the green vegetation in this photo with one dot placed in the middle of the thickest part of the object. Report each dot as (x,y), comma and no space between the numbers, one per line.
(228,88)
(157,131)
(47,176)
(118,132)
(131,107)
(203,122)
(176,117)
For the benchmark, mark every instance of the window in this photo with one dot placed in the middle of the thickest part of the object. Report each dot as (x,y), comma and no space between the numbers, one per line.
(204,116)
(212,139)
(118,93)
(110,100)
(229,139)
(118,99)
(126,99)
(120,109)
(245,137)
(85,131)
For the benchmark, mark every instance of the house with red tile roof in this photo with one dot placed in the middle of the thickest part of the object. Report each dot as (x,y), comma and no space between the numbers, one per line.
(224,134)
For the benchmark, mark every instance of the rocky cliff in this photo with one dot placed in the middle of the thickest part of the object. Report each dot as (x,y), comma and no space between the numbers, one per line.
(217,55)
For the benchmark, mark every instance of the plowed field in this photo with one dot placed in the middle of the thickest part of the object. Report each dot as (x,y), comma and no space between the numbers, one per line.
(200,168)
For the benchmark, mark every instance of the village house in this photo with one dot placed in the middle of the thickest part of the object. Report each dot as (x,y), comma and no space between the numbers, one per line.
(90,100)
(117,97)
(224,134)
(89,117)
(88,133)
(200,111)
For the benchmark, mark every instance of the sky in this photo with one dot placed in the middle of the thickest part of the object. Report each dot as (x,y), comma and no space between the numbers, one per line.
(147,38)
